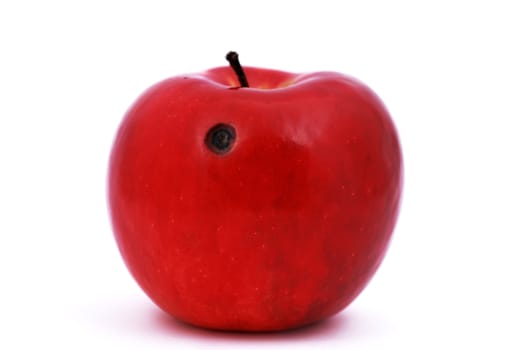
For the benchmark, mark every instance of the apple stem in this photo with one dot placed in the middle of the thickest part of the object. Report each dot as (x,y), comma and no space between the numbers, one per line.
(234,61)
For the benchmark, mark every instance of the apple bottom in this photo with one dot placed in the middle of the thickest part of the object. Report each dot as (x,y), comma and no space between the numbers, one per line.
(258,287)
(257,312)
(249,319)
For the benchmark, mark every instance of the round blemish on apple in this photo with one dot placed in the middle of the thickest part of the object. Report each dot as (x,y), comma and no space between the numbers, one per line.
(220,138)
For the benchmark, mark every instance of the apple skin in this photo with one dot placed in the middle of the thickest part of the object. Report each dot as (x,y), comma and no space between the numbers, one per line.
(286,228)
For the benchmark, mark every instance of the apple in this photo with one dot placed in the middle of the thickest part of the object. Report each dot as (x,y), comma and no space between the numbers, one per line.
(262,205)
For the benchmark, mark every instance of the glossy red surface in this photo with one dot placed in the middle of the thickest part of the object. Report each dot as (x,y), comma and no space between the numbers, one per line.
(283,230)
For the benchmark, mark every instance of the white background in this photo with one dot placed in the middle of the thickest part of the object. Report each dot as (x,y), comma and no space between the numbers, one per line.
(450,73)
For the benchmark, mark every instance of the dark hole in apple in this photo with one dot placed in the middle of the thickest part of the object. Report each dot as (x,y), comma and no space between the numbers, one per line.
(220,138)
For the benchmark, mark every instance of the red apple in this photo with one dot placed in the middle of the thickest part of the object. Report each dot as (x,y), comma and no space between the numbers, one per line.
(257,207)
